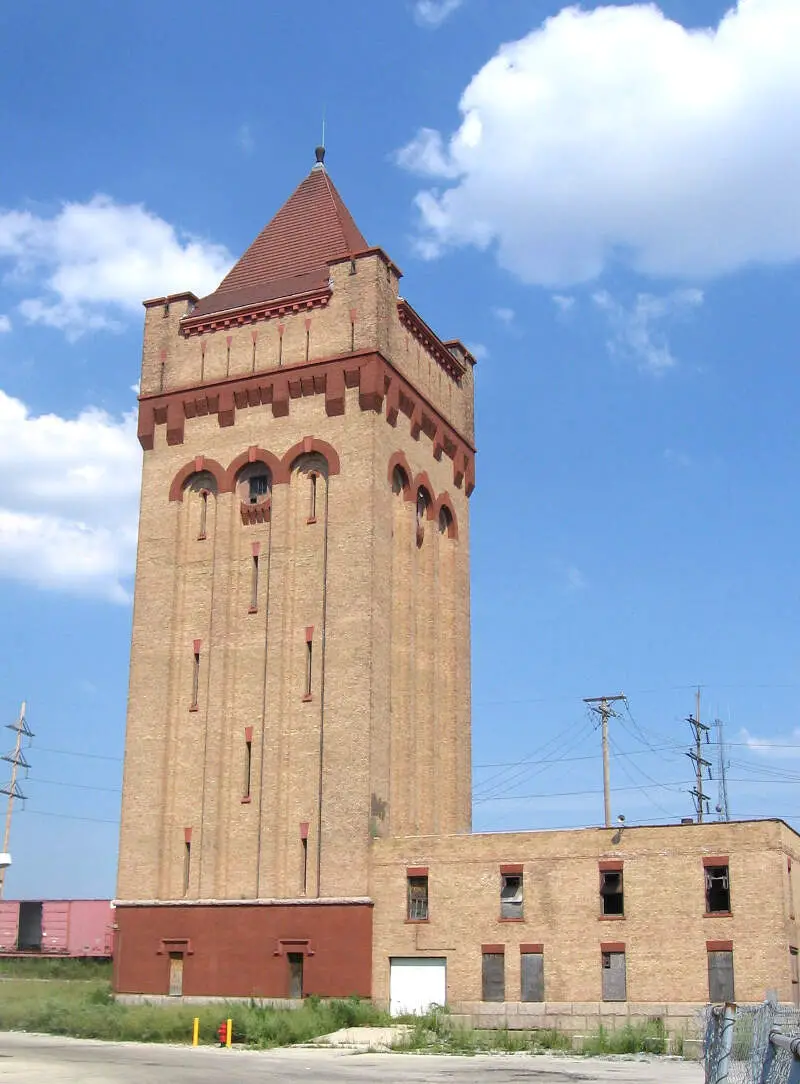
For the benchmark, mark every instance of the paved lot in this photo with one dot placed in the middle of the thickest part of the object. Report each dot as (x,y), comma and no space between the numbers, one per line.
(33,1059)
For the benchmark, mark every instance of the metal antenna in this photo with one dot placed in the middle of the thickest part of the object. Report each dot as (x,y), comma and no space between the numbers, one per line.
(17,760)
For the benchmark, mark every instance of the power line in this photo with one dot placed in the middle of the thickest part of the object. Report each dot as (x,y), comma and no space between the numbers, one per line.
(74,753)
(588,756)
(68,816)
(77,786)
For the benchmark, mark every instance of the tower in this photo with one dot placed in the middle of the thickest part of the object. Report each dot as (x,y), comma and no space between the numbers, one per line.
(299,677)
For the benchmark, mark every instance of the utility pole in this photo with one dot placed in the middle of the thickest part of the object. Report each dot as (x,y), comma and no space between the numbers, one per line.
(696,755)
(722,808)
(601,705)
(17,760)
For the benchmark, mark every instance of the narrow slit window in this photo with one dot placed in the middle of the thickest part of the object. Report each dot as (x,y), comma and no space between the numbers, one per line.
(352,334)
(254,585)
(195,680)
(201,534)
(417,899)
(308,342)
(248,767)
(309,660)
(187,865)
(511,897)
(611,892)
(304,843)
(312,497)
(718,890)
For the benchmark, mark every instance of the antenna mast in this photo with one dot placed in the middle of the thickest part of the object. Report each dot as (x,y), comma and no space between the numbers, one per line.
(723,809)
(17,760)
(696,755)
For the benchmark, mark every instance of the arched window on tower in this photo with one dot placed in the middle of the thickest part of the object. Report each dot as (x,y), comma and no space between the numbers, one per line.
(423,504)
(313,469)
(445,520)
(399,481)
(254,483)
(199,488)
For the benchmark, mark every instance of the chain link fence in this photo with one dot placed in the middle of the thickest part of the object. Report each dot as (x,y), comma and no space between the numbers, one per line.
(751,1044)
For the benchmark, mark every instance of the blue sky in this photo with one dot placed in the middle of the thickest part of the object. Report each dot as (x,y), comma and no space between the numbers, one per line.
(602,202)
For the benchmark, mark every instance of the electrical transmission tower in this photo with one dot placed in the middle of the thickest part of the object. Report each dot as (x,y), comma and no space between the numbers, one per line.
(17,760)
(601,705)
(722,803)
(700,730)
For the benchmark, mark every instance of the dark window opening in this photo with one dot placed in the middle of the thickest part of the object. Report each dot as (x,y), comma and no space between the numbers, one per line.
(201,534)
(254,585)
(258,487)
(399,480)
(248,765)
(493,976)
(718,891)
(304,843)
(720,977)
(308,342)
(511,895)
(312,498)
(187,865)
(417,898)
(309,667)
(614,982)
(611,892)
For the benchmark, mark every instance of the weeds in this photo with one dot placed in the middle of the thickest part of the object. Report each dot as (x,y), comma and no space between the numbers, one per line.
(40,967)
(438,1033)
(647,1038)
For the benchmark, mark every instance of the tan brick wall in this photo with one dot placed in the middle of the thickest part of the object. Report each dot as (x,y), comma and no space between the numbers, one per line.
(664,928)
(396,699)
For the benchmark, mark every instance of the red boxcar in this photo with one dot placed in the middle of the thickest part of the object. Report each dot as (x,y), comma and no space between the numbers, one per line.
(56,928)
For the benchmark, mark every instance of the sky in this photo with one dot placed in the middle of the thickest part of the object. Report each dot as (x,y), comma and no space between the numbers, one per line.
(602,201)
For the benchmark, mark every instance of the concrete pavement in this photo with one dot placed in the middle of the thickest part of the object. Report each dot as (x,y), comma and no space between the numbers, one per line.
(31,1059)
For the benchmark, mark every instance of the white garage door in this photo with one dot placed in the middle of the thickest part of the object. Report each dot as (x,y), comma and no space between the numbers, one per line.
(416,983)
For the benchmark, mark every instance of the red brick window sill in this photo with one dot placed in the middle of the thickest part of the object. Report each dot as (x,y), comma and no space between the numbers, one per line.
(718,914)
(417,921)
(311,519)
(194,707)
(520,919)
(307,698)
(611,918)
(253,610)
(246,800)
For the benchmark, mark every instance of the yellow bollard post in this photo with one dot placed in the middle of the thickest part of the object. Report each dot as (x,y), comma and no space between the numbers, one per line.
(229,1033)
(196,1031)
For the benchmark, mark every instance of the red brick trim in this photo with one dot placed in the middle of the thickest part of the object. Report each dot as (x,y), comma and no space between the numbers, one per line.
(187,835)
(515,919)
(612,946)
(611,918)
(430,340)
(175,944)
(304,829)
(309,633)
(255,549)
(285,945)
(611,865)
(368,370)
(255,455)
(417,871)
(186,472)
(494,948)
(719,946)
(531,947)
(246,800)
(256,513)
(513,868)
(718,914)
(249,314)
(308,445)
(248,733)
(718,860)
(197,646)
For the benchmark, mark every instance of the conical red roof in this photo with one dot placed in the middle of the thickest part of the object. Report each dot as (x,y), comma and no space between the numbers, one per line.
(291,254)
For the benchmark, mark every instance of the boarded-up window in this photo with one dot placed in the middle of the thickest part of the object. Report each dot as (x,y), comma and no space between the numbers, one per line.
(511,895)
(417,899)
(611,892)
(614,984)
(718,889)
(531,976)
(493,977)
(720,976)
(176,974)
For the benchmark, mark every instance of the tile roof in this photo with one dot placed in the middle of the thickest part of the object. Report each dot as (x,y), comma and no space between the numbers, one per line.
(291,254)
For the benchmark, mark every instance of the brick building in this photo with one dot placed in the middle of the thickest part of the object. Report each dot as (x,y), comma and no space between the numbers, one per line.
(296,799)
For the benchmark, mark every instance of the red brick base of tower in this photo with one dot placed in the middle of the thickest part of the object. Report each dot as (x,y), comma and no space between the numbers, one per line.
(244,949)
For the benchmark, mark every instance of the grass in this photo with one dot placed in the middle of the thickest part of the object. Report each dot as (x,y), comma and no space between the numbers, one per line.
(37,967)
(435,1032)
(88,1010)
(647,1038)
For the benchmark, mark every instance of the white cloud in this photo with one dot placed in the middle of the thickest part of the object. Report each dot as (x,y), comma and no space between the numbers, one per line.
(575,578)
(480,351)
(92,264)
(434,12)
(69,490)
(637,332)
(5,323)
(563,302)
(782,747)
(504,315)
(617,135)
(245,139)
